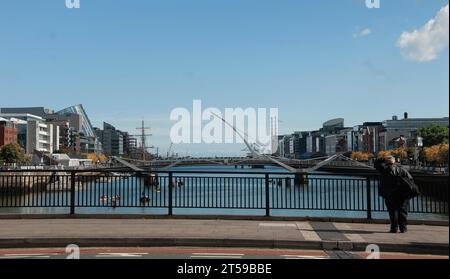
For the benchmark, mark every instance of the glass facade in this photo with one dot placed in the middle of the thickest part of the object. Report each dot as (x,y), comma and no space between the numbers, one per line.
(86,126)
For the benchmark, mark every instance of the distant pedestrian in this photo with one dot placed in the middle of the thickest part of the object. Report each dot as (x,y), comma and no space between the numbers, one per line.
(397,188)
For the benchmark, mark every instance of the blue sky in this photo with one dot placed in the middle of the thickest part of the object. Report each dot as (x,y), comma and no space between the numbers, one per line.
(125,60)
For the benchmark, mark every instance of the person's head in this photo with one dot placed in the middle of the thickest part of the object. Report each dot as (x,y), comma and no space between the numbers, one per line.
(390,160)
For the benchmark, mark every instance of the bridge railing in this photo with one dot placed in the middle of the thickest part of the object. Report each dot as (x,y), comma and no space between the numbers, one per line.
(176,190)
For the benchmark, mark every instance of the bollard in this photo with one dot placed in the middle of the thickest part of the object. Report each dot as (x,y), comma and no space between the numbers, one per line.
(267,195)
(170,194)
(72,192)
(369,199)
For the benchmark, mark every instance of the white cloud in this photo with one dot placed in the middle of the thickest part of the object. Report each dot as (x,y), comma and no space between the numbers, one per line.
(426,43)
(362,33)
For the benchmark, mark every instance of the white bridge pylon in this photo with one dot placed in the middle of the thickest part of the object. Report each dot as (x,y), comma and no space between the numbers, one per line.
(257,154)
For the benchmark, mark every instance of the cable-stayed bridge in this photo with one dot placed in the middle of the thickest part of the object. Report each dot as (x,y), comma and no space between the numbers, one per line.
(292,165)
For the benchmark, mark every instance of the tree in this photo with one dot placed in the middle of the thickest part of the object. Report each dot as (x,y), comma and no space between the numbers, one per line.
(443,154)
(360,156)
(434,135)
(411,151)
(401,153)
(384,153)
(102,158)
(13,153)
(436,154)
(92,157)
(95,158)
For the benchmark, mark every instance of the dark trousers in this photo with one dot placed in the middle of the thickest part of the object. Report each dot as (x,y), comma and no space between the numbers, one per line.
(398,212)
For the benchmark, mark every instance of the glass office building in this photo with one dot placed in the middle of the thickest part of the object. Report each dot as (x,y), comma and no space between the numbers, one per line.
(86,126)
(89,142)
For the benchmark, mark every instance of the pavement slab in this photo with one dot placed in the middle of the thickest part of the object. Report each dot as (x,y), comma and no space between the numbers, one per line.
(19,233)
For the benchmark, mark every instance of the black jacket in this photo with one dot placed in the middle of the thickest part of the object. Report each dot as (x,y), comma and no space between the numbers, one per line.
(390,174)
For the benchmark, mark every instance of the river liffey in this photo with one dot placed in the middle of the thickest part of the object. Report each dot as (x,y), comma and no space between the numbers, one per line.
(235,192)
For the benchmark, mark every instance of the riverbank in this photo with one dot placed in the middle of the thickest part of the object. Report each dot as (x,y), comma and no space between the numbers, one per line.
(45,180)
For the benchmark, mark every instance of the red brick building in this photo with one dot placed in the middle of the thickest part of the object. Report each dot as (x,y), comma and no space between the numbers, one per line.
(8,132)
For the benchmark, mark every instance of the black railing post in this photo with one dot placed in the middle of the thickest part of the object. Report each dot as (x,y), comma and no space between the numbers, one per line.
(369,199)
(170,194)
(267,195)
(72,192)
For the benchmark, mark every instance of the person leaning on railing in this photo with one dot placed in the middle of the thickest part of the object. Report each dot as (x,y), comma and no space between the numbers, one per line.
(397,188)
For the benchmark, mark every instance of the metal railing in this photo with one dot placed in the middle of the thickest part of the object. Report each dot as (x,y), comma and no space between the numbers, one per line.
(209,190)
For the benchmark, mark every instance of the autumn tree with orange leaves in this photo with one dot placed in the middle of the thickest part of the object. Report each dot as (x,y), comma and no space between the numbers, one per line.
(95,158)
(360,156)
(401,153)
(436,154)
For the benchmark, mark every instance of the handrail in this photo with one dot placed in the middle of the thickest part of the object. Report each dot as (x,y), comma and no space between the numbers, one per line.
(361,174)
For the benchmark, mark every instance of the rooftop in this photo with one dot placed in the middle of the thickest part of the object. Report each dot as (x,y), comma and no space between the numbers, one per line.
(15,115)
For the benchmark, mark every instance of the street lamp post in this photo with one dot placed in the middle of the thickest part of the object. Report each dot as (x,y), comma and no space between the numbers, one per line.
(419,145)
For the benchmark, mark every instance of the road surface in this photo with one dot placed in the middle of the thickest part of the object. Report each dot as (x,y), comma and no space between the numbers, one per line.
(197,253)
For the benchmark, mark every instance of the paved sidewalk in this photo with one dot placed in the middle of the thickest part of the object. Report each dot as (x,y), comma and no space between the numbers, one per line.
(220,233)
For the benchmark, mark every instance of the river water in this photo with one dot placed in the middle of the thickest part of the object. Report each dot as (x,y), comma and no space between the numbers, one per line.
(121,196)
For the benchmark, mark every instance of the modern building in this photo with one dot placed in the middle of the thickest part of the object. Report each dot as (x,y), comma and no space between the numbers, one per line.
(21,126)
(61,134)
(333,126)
(414,123)
(40,137)
(38,111)
(337,143)
(371,138)
(59,127)
(284,146)
(34,133)
(111,139)
(355,138)
(276,144)
(315,144)
(129,145)
(8,132)
(78,137)
(332,138)
(366,138)
(281,148)
(297,145)
(403,132)
(84,124)
(83,136)
(302,145)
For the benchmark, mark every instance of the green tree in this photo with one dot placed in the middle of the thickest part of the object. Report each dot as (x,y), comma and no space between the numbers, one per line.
(434,135)
(13,153)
